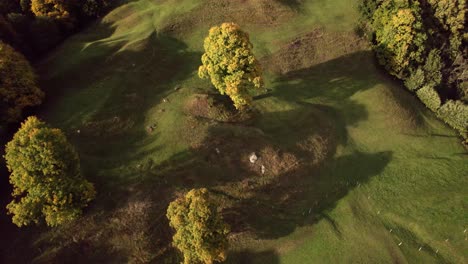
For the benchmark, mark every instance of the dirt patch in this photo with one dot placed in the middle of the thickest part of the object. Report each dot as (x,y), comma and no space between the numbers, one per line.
(263,13)
(231,146)
(107,127)
(315,47)
(318,147)
(274,161)
(217,108)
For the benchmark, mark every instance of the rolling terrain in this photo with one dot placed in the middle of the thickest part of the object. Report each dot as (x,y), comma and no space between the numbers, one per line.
(357,169)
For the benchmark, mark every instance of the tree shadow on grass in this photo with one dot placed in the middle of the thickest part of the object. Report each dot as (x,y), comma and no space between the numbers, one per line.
(300,187)
(293,4)
(117,82)
(334,81)
(84,252)
(306,196)
(250,257)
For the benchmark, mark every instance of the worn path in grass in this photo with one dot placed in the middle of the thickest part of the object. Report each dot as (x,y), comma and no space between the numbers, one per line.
(358,170)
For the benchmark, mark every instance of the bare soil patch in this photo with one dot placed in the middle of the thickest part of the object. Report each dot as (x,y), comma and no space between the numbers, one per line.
(266,13)
(313,48)
(217,108)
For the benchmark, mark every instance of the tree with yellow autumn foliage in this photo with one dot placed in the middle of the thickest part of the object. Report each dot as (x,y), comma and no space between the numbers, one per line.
(55,9)
(452,16)
(18,87)
(400,36)
(45,174)
(230,64)
(201,234)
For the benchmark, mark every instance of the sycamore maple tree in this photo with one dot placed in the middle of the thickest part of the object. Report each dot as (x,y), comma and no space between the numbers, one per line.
(201,234)
(229,63)
(55,9)
(45,174)
(18,85)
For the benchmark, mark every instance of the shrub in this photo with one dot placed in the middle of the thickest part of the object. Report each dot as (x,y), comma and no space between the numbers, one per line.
(45,174)
(429,96)
(368,7)
(26,6)
(200,231)
(462,89)
(416,80)
(455,113)
(18,87)
(433,68)
(230,64)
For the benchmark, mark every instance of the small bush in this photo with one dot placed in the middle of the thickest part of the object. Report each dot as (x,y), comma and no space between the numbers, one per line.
(429,96)
(416,80)
(432,68)
(455,113)
(25,6)
(462,89)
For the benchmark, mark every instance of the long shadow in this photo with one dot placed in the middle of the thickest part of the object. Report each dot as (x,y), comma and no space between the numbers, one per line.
(250,257)
(305,196)
(294,4)
(336,80)
(121,85)
(84,252)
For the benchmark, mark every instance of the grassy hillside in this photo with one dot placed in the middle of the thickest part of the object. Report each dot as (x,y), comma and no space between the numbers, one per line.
(357,170)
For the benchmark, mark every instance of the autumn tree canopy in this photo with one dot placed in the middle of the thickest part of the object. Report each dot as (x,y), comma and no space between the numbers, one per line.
(452,16)
(45,174)
(400,36)
(18,87)
(230,64)
(56,9)
(200,231)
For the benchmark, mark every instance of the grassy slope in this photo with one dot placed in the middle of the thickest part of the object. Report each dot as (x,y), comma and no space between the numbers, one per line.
(395,167)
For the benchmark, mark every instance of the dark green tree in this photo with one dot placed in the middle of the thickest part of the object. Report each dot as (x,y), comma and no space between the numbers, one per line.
(45,174)
(18,86)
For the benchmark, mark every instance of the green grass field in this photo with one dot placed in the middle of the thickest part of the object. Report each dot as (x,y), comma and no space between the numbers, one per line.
(358,171)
